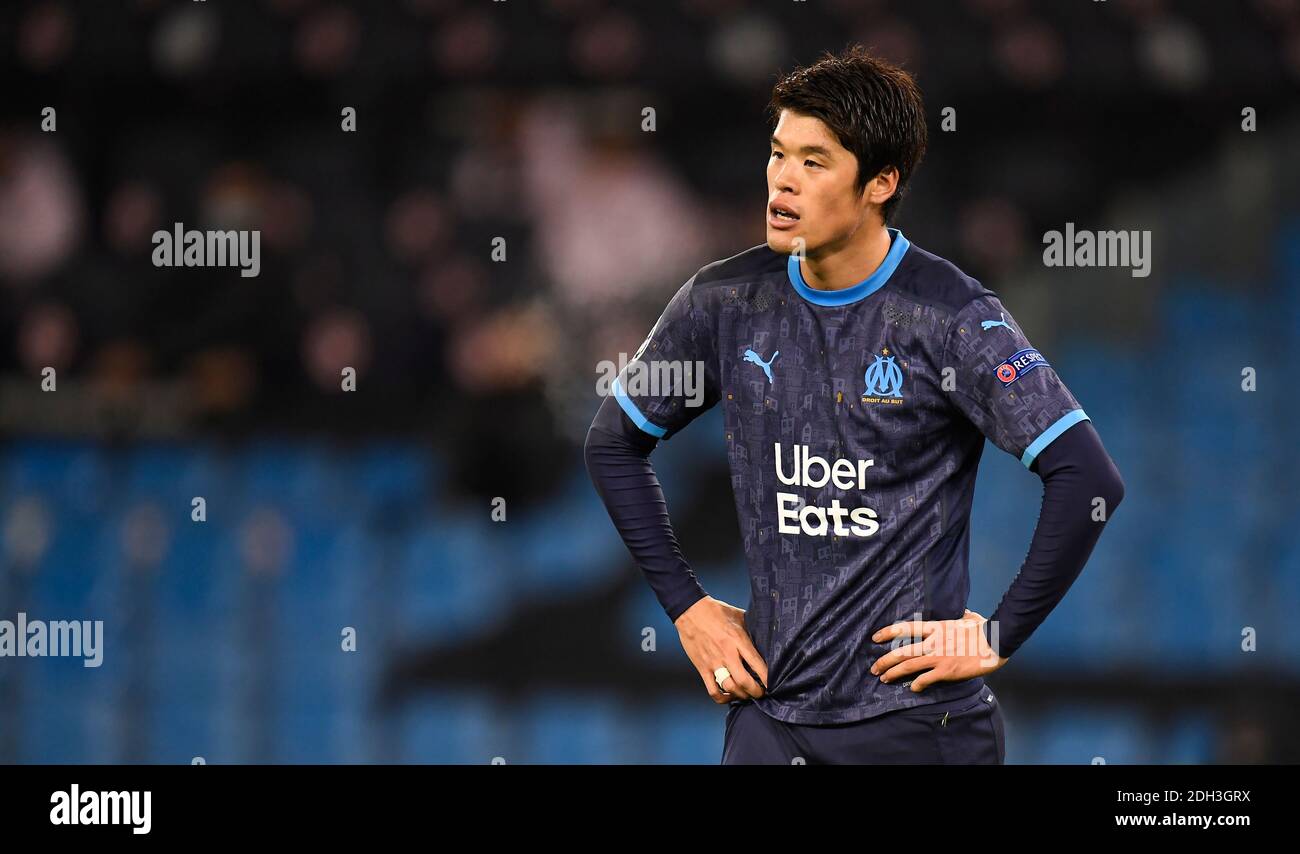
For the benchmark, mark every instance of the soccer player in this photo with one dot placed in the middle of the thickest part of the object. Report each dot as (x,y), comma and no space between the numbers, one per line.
(859,376)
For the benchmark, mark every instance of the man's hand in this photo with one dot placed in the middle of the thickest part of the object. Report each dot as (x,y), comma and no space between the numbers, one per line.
(713,634)
(949,651)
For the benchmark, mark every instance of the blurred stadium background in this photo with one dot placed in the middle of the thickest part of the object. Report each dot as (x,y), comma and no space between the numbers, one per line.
(522,120)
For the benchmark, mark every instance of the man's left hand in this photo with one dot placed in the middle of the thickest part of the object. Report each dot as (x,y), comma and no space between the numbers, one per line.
(947,650)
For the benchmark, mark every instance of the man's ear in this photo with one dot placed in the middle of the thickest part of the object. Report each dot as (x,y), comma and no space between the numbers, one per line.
(882,187)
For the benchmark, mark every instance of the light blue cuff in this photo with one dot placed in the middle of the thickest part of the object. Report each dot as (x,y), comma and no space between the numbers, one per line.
(635,414)
(1065,422)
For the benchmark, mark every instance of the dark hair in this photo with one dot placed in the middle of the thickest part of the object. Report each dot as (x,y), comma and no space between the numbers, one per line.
(873,107)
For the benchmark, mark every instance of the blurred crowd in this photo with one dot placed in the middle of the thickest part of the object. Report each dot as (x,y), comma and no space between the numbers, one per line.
(517,127)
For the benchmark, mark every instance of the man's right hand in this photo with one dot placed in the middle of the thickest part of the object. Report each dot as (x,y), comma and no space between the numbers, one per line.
(713,634)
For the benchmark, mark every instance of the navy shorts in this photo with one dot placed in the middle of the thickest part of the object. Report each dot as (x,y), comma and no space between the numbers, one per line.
(965,731)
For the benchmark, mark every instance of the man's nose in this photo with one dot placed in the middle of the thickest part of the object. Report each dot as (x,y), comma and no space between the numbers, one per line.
(783,181)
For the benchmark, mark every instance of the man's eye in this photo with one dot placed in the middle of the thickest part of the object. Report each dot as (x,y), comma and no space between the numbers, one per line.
(812,163)
(776,154)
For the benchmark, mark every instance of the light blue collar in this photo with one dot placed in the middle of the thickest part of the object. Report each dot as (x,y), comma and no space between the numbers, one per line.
(897,249)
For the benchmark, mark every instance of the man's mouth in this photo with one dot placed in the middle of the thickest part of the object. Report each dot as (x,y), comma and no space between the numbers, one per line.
(781,216)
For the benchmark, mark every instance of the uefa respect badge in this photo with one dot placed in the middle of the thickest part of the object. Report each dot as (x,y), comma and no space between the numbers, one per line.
(1018,364)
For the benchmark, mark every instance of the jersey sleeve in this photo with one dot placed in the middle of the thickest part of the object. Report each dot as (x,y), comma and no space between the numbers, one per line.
(673,378)
(1003,384)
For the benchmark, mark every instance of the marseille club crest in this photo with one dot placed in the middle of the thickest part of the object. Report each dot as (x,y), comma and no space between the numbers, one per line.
(884,380)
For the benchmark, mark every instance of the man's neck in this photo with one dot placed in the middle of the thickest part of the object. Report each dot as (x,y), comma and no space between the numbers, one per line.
(849,266)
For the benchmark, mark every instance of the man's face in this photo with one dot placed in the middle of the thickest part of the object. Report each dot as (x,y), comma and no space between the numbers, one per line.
(811,175)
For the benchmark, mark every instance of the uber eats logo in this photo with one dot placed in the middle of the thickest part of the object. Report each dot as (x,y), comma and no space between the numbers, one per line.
(814,473)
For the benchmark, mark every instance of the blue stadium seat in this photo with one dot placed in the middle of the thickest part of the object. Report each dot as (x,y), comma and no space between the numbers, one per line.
(181,729)
(461,728)
(1075,736)
(386,474)
(684,732)
(453,579)
(1188,740)
(302,477)
(552,560)
(580,730)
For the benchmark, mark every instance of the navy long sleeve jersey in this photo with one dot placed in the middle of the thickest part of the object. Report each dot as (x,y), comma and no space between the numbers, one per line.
(854,421)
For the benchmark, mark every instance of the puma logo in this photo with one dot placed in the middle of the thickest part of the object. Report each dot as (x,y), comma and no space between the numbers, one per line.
(751,356)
